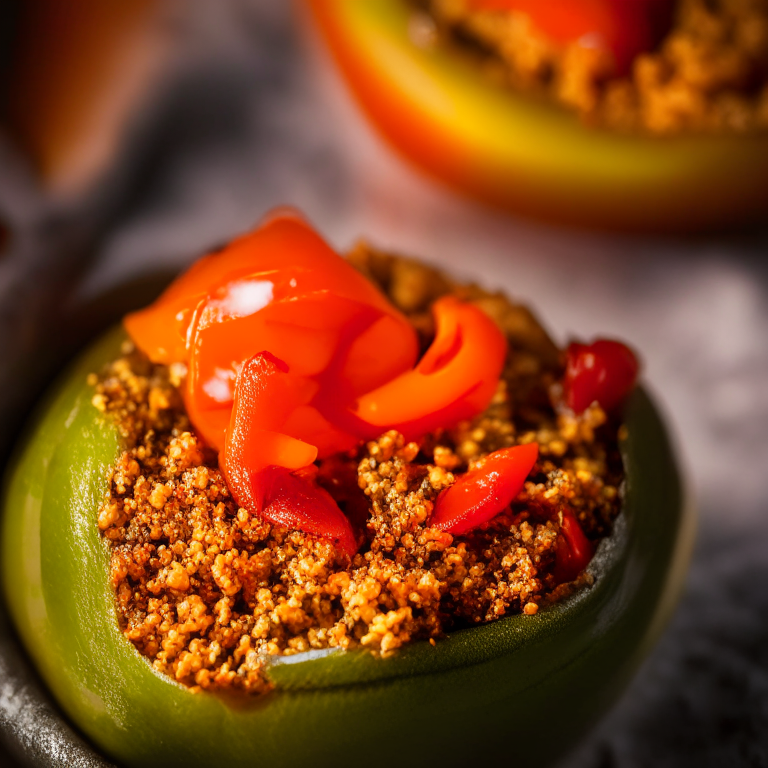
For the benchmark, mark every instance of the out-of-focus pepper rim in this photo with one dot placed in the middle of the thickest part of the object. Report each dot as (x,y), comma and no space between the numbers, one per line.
(512,150)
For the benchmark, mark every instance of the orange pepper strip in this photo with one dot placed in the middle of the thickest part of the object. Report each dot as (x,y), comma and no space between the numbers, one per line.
(574,549)
(479,495)
(626,28)
(454,380)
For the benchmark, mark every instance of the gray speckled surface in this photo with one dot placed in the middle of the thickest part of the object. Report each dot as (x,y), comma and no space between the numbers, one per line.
(256,119)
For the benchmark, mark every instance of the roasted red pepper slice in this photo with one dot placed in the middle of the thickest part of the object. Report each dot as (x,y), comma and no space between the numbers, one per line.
(283,259)
(455,379)
(604,371)
(280,288)
(258,458)
(574,549)
(479,495)
(626,28)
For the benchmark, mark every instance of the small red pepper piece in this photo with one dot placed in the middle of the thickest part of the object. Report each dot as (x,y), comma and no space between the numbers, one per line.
(626,28)
(574,549)
(258,458)
(479,495)
(604,371)
(298,503)
(455,379)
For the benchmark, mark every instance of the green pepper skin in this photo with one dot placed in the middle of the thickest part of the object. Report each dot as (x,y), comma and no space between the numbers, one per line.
(522,689)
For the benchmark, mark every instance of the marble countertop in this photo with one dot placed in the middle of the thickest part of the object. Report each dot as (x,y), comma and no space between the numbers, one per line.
(256,118)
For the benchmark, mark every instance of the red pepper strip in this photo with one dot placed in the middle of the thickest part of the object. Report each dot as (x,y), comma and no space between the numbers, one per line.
(626,28)
(251,453)
(604,371)
(574,549)
(265,395)
(297,503)
(479,495)
(455,379)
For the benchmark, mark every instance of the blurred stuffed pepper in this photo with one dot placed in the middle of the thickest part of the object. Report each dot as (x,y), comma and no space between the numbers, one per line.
(642,115)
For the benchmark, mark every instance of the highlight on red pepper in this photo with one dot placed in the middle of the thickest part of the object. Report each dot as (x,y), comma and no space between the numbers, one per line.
(624,28)
(479,495)
(574,549)
(604,372)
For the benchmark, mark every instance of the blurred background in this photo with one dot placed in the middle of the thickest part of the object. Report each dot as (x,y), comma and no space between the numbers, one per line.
(138,134)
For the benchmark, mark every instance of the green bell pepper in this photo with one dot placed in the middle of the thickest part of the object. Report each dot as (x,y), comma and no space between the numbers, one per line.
(521,689)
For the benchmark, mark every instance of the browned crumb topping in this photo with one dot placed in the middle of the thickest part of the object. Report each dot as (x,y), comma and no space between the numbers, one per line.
(208,592)
(710,73)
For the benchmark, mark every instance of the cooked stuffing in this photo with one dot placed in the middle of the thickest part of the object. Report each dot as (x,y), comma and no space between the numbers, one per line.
(709,74)
(208,592)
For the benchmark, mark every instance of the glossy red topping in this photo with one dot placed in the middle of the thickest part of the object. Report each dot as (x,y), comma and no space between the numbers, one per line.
(279,289)
(479,495)
(574,549)
(604,372)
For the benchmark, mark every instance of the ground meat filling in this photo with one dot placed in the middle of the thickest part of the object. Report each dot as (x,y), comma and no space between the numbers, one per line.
(709,74)
(208,592)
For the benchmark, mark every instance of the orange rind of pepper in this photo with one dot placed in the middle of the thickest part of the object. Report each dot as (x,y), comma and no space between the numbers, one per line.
(435,107)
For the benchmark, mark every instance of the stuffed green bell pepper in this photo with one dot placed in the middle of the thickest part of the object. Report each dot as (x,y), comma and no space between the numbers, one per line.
(443,570)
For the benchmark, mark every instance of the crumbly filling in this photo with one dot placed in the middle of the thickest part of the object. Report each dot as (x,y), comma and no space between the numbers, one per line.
(208,592)
(709,74)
